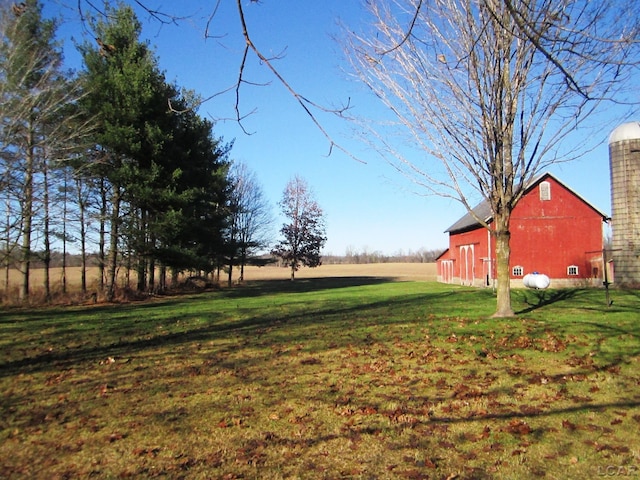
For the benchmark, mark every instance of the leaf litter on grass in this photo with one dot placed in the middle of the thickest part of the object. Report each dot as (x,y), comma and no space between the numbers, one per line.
(378,387)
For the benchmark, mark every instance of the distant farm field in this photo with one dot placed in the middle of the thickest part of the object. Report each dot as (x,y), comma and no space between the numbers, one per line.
(397,271)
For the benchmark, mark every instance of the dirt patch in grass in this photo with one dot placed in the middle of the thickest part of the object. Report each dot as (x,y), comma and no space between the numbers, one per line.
(340,379)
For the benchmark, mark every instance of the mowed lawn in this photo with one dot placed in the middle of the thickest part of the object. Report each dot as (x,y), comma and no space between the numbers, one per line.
(351,377)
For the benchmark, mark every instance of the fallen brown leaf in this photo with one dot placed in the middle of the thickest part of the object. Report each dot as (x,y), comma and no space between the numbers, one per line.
(518,427)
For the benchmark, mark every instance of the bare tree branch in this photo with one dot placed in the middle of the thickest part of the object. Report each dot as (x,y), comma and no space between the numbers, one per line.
(310,107)
(406,36)
(302,101)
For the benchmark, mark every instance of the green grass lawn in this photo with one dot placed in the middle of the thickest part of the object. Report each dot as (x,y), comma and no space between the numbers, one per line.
(326,378)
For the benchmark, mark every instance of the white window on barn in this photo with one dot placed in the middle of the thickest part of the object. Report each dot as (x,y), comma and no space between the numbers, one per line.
(545,191)
(518,271)
(572,270)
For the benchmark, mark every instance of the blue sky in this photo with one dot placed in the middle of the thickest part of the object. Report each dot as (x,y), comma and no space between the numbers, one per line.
(367,205)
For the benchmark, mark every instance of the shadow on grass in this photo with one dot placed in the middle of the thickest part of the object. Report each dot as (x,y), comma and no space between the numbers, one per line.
(28,315)
(327,325)
(119,321)
(596,407)
(588,299)
(631,291)
(541,298)
(96,333)
(302,285)
(252,288)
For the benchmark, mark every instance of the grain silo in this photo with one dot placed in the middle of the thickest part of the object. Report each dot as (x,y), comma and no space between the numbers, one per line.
(624,159)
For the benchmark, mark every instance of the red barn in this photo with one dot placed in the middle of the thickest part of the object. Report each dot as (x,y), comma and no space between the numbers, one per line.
(554,231)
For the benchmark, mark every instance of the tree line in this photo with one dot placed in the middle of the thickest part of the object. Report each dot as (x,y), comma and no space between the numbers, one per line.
(364,256)
(113,159)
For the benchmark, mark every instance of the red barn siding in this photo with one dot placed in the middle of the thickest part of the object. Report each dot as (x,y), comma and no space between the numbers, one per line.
(547,236)
(468,260)
(468,250)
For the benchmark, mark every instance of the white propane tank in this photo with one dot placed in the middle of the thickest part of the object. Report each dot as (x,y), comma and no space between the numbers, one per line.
(536,280)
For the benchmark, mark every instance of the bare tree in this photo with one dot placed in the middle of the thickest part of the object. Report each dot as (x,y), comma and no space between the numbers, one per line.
(251,217)
(304,232)
(36,120)
(488,90)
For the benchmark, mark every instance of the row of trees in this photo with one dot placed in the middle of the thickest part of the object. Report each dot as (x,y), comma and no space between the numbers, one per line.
(113,159)
(364,256)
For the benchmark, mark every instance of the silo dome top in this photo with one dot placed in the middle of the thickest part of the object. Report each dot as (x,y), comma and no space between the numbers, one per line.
(626,131)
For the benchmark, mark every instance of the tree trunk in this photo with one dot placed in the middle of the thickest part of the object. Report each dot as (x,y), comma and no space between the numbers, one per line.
(64,249)
(141,251)
(174,277)
(127,266)
(83,237)
(152,275)
(27,217)
(503,252)
(162,280)
(102,261)
(65,213)
(141,273)
(46,233)
(113,245)
(8,248)
(243,261)
(64,265)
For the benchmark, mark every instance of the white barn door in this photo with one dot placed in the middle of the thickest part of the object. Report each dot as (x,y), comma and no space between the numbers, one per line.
(467,264)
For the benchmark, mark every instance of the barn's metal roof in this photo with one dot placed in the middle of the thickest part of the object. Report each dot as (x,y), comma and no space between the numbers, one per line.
(470,220)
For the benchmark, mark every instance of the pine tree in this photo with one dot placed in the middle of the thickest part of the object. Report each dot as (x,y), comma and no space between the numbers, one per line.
(165,170)
(127,95)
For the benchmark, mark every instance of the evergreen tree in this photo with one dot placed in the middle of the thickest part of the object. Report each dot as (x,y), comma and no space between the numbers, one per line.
(200,214)
(128,96)
(164,168)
